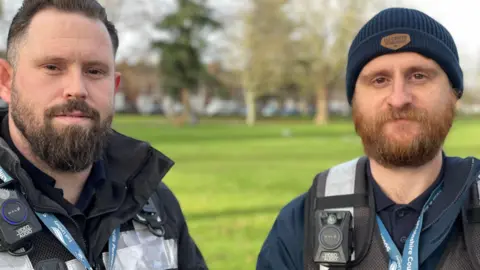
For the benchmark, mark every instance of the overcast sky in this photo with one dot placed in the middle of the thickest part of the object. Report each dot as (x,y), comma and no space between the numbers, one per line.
(461,18)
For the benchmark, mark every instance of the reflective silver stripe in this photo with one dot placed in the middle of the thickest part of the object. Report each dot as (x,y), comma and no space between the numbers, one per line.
(139,249)
(160,254)
(341,181)
(9,262)
(478,187)
(74,265)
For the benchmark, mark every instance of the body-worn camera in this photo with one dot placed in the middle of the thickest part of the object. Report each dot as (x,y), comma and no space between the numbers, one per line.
(17,221)
(333,246)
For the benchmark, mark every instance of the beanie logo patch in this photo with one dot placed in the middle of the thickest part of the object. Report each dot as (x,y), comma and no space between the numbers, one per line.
(395,41)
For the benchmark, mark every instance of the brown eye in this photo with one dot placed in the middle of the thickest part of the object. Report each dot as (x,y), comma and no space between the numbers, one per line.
(51,67)
(95,72)
(419,76)
(379,81)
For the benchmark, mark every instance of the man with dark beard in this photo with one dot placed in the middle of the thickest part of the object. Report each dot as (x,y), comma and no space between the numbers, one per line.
(98,194)
(405,204)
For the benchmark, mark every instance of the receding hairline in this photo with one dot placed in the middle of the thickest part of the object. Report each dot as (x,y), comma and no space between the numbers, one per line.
(19,39)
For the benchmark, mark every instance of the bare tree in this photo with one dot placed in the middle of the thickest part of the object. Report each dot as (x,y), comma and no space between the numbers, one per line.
(325,30)
(265,47)
(135,21)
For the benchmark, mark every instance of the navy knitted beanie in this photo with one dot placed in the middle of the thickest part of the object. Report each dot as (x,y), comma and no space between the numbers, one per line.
(403,30)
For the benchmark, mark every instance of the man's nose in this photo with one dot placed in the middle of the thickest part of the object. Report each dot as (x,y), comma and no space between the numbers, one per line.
(400,95)
(76,86)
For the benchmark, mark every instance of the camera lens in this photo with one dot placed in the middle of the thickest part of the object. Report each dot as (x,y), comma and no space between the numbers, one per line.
(14,212)
(330,237)
(332,219)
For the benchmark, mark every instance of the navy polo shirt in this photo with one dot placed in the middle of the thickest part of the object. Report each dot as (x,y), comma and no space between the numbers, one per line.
(46,184)
(400,219)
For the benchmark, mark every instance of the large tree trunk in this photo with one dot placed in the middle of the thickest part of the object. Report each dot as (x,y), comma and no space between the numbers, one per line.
(186,116)
(251,108)
(321,116)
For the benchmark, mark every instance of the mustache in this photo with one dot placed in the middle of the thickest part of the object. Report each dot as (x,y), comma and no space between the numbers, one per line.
(71,106)
(408,113)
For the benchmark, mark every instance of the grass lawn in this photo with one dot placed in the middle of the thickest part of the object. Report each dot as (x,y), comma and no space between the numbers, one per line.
(232,180)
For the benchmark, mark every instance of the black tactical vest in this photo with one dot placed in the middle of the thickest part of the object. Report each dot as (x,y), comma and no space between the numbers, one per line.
(344,187)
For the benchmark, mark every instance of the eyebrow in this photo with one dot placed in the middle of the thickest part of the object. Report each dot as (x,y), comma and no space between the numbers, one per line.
(368,76)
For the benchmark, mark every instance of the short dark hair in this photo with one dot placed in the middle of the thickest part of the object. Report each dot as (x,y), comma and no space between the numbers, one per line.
(29,8)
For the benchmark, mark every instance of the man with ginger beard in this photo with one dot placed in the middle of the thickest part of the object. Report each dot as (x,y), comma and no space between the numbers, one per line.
(96,197)
(405,204)
(402,135)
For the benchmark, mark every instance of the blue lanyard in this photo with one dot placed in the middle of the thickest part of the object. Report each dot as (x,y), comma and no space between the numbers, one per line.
(409,261)
(64,236)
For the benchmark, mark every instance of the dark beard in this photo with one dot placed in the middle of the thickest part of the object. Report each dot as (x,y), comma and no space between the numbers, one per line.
(71,149)
(417,152)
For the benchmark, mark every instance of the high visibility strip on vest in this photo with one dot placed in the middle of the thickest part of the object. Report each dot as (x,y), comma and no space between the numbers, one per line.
(341,181)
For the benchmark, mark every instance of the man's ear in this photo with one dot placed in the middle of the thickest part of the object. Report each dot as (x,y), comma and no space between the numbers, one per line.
(6,77)
(118,79)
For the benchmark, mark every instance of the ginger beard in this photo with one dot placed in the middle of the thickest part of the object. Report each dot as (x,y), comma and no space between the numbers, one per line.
(66,149)
(411,143)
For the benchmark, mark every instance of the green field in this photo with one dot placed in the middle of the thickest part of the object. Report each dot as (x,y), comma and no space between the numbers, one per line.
(232,180)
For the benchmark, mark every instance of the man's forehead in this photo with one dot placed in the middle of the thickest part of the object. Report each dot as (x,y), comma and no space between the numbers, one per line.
(62,33)
(402,61)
